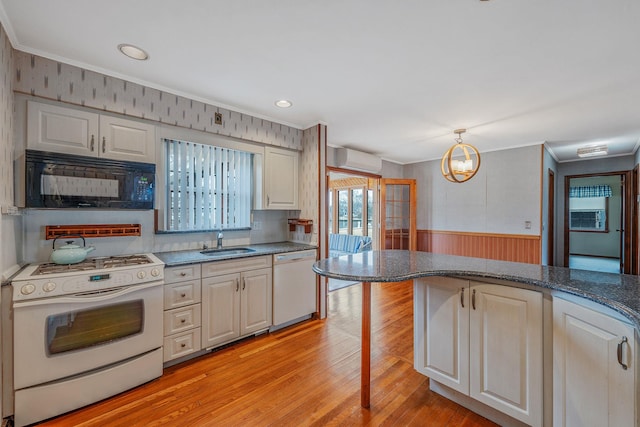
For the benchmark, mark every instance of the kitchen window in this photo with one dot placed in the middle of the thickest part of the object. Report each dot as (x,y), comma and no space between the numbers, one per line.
(207,187)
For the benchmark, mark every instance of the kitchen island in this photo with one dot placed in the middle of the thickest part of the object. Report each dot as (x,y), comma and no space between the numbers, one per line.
(619,293)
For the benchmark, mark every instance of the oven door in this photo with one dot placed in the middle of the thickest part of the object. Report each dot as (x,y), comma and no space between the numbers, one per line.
(69,335)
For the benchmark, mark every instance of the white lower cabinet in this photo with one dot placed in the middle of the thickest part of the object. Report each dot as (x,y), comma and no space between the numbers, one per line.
(593,368)
(237,303)
(182,311)
(482,340)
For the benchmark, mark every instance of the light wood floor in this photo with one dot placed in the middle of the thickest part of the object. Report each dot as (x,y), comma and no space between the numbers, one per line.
(305,375)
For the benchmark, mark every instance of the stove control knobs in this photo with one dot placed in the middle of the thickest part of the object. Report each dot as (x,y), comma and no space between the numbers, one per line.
(27,289)
(48,287)
(141,274)
(155,272)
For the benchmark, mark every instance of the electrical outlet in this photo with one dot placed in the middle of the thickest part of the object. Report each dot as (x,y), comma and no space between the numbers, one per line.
(257,225)
(218,118)
(10,210)
(527,225)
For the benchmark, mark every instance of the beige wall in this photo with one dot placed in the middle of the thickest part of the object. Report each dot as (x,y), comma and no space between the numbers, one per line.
(504,194)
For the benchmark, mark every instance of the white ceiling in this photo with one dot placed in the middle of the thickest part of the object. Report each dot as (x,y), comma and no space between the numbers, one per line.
(390,78)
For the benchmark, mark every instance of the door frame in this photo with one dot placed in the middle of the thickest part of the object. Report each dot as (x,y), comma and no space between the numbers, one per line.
(551,219)
(627,212)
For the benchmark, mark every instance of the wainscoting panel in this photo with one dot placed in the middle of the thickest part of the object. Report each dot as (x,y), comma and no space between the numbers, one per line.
(504,247)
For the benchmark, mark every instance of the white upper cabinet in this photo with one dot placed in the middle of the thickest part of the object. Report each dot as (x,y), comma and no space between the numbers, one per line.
(280,179)
(62,130)
(123,139)
(72,131)
(593,368)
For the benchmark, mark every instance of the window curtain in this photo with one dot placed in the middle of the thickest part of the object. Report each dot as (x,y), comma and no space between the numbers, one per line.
(590,191)
(208,188)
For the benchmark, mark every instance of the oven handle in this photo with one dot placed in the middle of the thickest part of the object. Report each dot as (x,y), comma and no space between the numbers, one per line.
(85,297)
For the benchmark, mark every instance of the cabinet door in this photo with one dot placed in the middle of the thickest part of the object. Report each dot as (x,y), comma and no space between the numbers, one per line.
(61,130)
(123,139)
(506,350)
(256,300)
(280,179)
(220,309)
(442,330)
(590,385)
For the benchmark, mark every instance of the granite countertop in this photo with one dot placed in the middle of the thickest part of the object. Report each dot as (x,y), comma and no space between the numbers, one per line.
(193,256)
(621,292)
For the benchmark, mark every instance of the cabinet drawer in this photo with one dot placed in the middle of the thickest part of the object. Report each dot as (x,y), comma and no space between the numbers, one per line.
(181,273)
(181,344)
(217,268)
(181,319)
(181,294)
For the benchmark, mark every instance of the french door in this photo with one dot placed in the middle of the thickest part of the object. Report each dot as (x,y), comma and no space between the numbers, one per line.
(398,214)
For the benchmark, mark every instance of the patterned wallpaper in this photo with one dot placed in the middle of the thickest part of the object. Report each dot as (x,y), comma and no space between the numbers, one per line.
(308,197)
(6,120)
(45,78)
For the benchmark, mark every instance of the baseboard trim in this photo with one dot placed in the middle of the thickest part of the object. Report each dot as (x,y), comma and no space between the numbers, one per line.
(475,406)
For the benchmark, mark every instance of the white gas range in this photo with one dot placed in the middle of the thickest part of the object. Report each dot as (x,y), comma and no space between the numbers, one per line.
(84,332)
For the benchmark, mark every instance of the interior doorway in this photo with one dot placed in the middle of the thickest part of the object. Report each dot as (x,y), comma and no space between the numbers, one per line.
(597,230)
(352,214)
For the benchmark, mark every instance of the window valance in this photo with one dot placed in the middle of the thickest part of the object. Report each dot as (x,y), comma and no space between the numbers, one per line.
(590,191)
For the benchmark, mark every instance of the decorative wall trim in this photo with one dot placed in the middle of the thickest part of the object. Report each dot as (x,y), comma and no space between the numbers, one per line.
(503,247)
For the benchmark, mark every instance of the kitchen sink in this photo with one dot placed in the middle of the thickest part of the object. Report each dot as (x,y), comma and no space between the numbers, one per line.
(226,251)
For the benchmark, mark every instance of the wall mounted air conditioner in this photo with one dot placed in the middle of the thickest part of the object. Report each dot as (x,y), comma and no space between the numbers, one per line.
(357,160)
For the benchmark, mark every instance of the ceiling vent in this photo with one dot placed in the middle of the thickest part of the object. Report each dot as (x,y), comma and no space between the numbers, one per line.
(357,160)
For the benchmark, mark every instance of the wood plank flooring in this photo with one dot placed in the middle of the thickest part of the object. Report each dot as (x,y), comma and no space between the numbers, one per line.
(305,375)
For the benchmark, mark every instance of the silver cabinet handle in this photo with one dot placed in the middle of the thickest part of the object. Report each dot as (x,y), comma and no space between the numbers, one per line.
(462,297)
(93,143)
(473,299)
(104,144)
(620,344)
(237,285)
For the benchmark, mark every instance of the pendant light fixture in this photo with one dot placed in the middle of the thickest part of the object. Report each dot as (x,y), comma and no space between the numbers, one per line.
(461,162)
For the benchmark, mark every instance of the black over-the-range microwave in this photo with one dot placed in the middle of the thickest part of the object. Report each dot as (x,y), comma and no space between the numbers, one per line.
(54,180)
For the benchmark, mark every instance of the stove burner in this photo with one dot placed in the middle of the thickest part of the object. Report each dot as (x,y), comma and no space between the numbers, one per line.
(92,264)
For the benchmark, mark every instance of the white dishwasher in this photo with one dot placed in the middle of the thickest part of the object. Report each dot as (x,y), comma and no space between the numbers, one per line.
(294,287)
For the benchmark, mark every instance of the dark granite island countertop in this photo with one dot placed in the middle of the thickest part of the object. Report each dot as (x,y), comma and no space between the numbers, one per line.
(193,256)
(620,292)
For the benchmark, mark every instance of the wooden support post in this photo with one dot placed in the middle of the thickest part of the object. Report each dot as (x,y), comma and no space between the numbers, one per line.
(365,368)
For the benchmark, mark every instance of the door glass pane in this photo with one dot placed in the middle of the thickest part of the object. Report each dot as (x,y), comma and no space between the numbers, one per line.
(330,211)
(75,330)
(343,212)
(370,213)
(397,217)
(356,211)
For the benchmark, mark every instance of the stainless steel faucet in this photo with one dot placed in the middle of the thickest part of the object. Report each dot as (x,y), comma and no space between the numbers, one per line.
(220,236)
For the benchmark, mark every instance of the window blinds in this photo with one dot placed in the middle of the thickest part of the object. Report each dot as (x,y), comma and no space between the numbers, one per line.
(208,188)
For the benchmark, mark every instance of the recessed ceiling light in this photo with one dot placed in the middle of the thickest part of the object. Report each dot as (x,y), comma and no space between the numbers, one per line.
(283,103)
(133,52)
